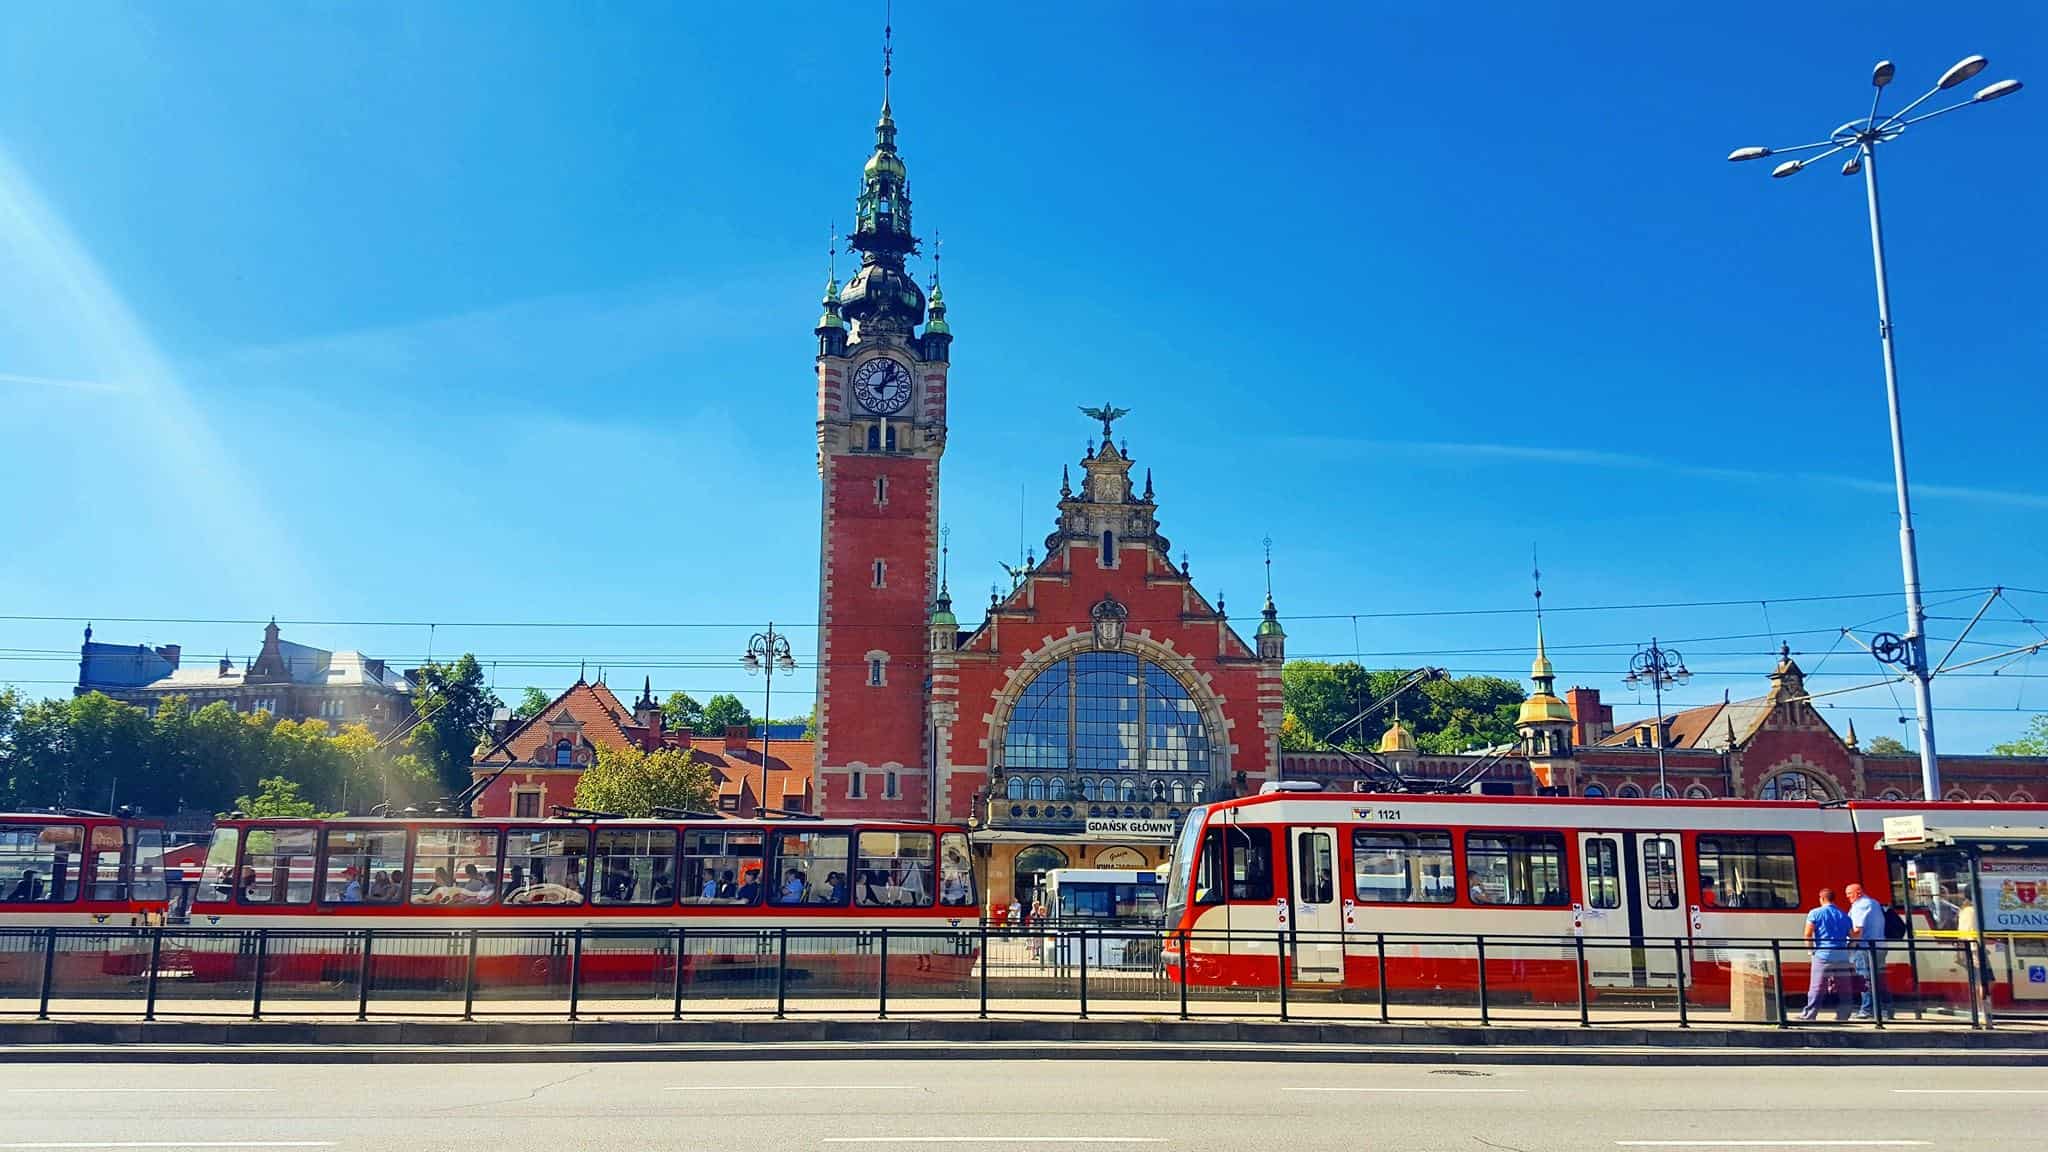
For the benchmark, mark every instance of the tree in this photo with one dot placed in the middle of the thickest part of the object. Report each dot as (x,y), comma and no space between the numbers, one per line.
(1886,746)
(725,710)
(276,797)
(454,710)
(681,710)
(630,782)
(532,704)
(1445,716)
(2034,743)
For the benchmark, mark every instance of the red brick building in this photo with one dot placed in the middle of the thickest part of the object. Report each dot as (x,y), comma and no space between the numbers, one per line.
(534,764)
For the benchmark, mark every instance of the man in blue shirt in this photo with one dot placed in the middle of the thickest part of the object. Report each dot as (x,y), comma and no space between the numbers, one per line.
(1866,930)
(1827,932)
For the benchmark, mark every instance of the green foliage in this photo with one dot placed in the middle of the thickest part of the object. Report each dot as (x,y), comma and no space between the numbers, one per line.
(276,797)
(1885,746)
(2033,743)
(1445,716)
(724,710)
(630,782)
(532,704)
(454,709)
(681,710)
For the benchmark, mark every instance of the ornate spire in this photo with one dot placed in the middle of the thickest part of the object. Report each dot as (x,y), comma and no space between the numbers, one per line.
(935,324)
(1269,631)
(1066,491)
(1542,706)
(882,299)
(831,318)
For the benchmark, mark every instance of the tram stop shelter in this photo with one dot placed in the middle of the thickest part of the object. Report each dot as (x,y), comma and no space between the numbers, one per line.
(1985,887)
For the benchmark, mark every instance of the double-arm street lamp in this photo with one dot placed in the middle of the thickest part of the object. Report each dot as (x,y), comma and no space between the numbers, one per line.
(767,653)
(1861,137)
(1657,667)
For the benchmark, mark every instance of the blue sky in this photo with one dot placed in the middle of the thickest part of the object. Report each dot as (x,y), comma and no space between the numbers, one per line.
(485,313)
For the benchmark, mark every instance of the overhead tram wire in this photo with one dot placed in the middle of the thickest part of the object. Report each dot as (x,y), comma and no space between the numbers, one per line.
(1406,614)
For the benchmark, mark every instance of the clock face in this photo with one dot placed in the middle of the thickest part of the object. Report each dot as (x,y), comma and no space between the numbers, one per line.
(882,386)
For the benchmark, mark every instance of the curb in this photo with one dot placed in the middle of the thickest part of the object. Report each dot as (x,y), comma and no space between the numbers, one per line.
(1131,1039)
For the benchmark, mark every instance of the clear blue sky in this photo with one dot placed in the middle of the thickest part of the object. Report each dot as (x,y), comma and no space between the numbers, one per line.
(494,312)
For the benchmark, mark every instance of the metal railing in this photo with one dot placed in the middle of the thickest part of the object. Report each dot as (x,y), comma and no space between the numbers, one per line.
(683,972)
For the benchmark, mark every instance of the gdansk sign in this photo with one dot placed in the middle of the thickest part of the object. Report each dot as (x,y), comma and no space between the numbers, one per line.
(1117,826)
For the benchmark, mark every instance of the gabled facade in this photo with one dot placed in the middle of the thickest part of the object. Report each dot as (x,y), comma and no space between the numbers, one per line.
(289,681)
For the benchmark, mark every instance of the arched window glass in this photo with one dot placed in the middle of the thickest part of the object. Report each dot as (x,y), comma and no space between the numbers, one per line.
(1035,790)
(889,439)
(1892,794)
(1179,792)
(1794,785)
(1056,788)
(565,753)
(1107,712)
(1013,788)
(1629,792)
(1595,792)
(1195,791)
(1697,792)
(1663,792)
(874,439)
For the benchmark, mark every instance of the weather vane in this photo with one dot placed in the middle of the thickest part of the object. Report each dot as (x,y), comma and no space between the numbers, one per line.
(1108,414)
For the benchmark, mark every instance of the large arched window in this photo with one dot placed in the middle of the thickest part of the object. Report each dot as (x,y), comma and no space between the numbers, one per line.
(1106,712)
(1793,784)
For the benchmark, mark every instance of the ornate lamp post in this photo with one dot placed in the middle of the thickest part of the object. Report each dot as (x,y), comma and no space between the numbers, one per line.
(1657,667)
(767,653)
(1863,135)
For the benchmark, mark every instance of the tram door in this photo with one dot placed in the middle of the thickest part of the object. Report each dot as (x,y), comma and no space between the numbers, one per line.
(1632,908)
(1316,925)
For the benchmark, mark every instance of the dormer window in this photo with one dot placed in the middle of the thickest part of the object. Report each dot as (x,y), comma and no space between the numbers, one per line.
(565,754)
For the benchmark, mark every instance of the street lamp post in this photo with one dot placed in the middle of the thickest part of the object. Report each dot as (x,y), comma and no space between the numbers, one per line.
(767,653)
(1863,136)
(1657,667)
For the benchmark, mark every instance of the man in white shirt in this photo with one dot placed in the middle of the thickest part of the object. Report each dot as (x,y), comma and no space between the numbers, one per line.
(1866,936)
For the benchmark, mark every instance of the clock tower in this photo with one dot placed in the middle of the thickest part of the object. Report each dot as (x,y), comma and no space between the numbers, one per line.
(881,431)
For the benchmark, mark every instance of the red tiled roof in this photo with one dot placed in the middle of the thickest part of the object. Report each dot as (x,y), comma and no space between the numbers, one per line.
(738,774)
(606,724)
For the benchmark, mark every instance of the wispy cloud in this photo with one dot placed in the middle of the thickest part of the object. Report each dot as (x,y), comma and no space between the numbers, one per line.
(1594,458)
(23,381)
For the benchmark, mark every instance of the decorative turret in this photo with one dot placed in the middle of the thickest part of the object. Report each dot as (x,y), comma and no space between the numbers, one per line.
(1105,513)
(831,326)
(1545,722)
(1397,740)
(945,627)
(882,299)
(1272,639)
(937,341)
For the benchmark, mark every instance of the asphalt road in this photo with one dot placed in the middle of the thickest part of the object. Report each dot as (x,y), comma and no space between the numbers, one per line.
(1012,1104)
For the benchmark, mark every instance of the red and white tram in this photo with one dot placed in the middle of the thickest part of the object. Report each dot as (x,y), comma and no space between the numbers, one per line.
(1331,879)
(75,869)
(728,884)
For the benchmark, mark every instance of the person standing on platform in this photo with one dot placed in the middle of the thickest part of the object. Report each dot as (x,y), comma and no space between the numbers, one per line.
(1827,933)
(1866,931)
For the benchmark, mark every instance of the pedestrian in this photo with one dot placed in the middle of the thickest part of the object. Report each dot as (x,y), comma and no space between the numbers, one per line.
(1015,919)
(1866,930)
(1827,934)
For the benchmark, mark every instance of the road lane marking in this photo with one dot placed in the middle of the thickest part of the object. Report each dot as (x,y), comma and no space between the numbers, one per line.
(1771,1143)
(784,1088)
(995,1139)
(170,1144)
(97,1091)
(1458,1091)
(1971,1091)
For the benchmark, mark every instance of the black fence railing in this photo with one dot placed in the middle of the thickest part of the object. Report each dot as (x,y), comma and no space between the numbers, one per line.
(686,972)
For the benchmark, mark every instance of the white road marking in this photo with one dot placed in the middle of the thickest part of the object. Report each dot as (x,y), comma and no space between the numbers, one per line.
(1971,1091)
(995,1139)
(1771,1143)
(784,1088)
(97,1091)
(1462,1091)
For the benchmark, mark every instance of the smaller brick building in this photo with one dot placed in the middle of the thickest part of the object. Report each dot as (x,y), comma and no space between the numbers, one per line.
(534,764)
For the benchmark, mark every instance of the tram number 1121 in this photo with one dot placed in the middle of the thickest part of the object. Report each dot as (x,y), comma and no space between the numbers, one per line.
(1376,813)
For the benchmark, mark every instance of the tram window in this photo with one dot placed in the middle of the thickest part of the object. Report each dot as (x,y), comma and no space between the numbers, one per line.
(39,863)
(1516,868)
(455,866)
(1241,856)
(364,866)
(277,866)
(1749,871)
(146,864)
(722,867)
(1660,872)
(894,870)
(635,866)
(1603,874)
(956,871)
(1315,869)
(545,865)
(1402,867)
(810,869)
(109,879)
(217,879)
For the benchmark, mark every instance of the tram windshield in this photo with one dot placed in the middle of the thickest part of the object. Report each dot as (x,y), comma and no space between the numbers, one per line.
(1181,871)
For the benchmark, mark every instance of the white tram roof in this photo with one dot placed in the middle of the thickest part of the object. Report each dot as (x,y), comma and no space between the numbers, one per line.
(706,821)
(1405,809)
